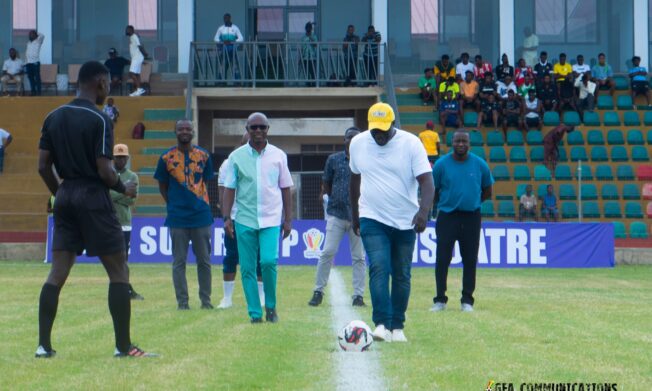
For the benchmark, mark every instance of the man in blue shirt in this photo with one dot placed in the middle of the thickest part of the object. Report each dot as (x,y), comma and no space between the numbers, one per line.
(549,206)
(462,182)
(450,113)
(603,75)
(638,76)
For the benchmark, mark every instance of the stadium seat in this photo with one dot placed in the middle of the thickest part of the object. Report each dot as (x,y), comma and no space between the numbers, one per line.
(594,137)
(476,138)
(640,154)
(501,173)
(536,153)
(603,172)
(648,209)
(647,191)
(522,172)
(487,209)
(589,191)
(517,155)
(572,118)
(619,230)
(575,138)
(495,139)
(625,172)
(551,118)
(619,154)
(615,137)
(479,151)
(515,137)
(612,209)
(605,102)
(611,118)
(578,153)
(609,192)
(644,172)
(520,190)
(567,192)
(635,137)
(638,230)
(506,209)
(647,118)
(649,136)
(449,138)
(534,137)
(587,173)
(569,210)
(541,173)
(630,192)
(590,210)
(504,197)
(497,155)
(630,118)
(470,118)
(542,190)
(624,102)
(591,118)
(633,210)
(622,82)
(563,155)
(563,173)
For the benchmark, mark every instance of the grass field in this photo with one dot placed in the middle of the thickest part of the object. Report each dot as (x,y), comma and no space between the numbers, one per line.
(529,326)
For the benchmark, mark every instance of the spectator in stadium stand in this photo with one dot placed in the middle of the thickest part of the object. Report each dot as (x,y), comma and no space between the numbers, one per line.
(337,175)
(549,205)
(33,61)
(527,86)
(5,140)
(258,218)
(309,53)
(138,55)
(490,111)
(638,76)
(487,87)
(547,93)
(77,139)
(428,87)
(567,99)
(182,172)
(512,112)
(521,72)
(551,145)
(527,207)
(469,90)
(562,70)
(462,182)
(603,75)
(387,213)
(532,113)
(504,69)
(12,70)
(587,90)
(227,36)
(530,47)
(450,112)
(444,69)
(449,85)
(371,52)
(504,86)
(350,48)
(431,142)
(111,110)
(463,66)
(123,203)
(580,68)
(481,68)
(116,65)
(542,68)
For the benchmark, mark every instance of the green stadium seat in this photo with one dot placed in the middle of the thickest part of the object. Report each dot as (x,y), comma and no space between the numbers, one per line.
(619,230)
(575,138)
(603,172)
(520,190)
(587,173)
(534,137)
(536,154)
(590,210)
(605,102)
(563,172)
(479,151)
(594,137)
(647,118)
(497,155)
(476,138)
(635,137)
(569,210)
(449,138)
(624,102)
(615,137)
(551,118)
(541,173)
(522,172)
(517,155)
(619,154)
(542,190)
(611,118)
(567,192)
(515,137)
(631,192)
(506,209)
(563,155)
(612,210)
(470,118)
(504,197)
(572,118)
(640,154)
(630,118)
(501,173)
(638,230)
(487,209)
(495,139)
(578,153)
(609,192)
(589,191)
(622,82)
(625,172)
(591,118)
(633,210)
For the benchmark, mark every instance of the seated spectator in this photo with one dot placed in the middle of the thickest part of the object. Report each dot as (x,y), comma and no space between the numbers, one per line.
(5,140)
(527,207)
(527,86)
(551,145)
(547,93)
(428,87)
(480,68)
(603,75)
(533,111)
(116,65)
(444,69)
(503,87)
(542,68)
(549,205)
(504,69)
(449,85)
(488,87)
(431,142)
(562,70)
(566,95)
(512,112)
(489,112)
(450,113)
(463,66)
(580,68)
(12,69)
(587,89)
(638,76)
(521,72)
(111,110)
(469,90)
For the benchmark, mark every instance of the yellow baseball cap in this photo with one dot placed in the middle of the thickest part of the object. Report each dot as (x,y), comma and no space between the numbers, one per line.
(120,150)
(381,116)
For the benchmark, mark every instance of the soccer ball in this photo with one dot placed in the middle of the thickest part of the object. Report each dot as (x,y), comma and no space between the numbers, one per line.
(355,337)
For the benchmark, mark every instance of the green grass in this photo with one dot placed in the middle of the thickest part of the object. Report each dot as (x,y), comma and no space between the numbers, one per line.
(529,326)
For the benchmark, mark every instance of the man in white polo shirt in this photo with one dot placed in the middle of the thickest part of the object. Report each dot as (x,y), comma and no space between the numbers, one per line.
(12,69)
(138,54)
(388,166)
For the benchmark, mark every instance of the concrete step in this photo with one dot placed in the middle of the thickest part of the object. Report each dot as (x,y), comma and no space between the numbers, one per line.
(154,150)
(23,222)
(24,203)
(161,114)
(167,135)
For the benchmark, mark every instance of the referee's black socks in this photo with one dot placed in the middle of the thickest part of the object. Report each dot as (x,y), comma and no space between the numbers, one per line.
(120,308)
(47,311)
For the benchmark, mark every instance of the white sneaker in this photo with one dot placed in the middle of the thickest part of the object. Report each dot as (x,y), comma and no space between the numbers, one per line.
(382,334)
(225,303)
(437,307)
(466,307)
(138,92)
(398,336)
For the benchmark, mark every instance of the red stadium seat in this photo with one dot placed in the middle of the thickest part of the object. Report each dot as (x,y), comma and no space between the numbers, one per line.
(648,209)
(647,191)
(644,173)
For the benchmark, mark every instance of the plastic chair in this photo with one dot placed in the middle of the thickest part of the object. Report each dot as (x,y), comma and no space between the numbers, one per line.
(470,118)
(487,209)
(563,156)
(603,172)
(619,154)
(563,173)
(567,192)
(630,192)
(515,137)
(635,137)
(622,82)
(638,230)
(640,154)
(536,154)
(49,76)
(609,192)
(644,172)
(73,76)
(611,118)
(615,137)
(578,153)
(542,190)
(625,172)
(522,172)
(648,209)
(575,138)
(541,173)
(649,136)
(572,118)
(589,191)
(476,138)
(633,210)
(612,209)
(624,102)
(569,210)
(647,118)
(591,118)
(587,173)
(647,191)
(605,102)
(449,138)
(479,151)
(534,137)
(551,118)
(619,230)
(501,173)
(517,155)
(497,155)
(594,137)
(590,210)
(520,190)
(495,139)
(630,118)
(506,209)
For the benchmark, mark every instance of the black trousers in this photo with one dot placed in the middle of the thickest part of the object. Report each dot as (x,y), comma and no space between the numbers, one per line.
(463,227)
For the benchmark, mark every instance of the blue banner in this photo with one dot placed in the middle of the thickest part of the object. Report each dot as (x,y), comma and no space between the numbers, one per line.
(502,245)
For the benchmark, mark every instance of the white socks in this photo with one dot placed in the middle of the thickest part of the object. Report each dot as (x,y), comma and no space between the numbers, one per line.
(261,293)
(228,289)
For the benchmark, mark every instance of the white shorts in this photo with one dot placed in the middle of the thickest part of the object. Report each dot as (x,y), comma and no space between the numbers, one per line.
(136,65)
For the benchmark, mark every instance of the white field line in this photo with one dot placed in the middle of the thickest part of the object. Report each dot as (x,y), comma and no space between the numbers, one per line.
(354,371)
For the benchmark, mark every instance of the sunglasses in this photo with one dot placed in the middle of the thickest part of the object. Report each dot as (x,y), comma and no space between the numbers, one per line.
(258,127)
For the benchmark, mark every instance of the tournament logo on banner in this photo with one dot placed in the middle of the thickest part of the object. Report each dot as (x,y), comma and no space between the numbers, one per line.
(313,239)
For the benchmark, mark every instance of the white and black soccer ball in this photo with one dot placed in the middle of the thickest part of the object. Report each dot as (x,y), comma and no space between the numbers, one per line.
(355,337)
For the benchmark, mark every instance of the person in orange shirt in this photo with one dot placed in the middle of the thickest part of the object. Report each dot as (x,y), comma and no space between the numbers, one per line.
(431,142)
(469,90)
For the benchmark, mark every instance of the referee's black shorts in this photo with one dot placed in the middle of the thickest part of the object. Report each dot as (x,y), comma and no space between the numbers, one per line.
(85,219)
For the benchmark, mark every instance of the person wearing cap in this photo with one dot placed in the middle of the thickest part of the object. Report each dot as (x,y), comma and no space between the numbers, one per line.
(116,65)
(431,142)
(338,223)
(387,213)
(123,203)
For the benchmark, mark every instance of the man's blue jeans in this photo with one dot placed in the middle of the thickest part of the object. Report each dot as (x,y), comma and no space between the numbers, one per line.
(390,254)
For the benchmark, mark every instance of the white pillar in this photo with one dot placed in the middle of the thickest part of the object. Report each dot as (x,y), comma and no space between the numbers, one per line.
(641,47)
(44,26)
(506,17)
(379,11)
(185,31)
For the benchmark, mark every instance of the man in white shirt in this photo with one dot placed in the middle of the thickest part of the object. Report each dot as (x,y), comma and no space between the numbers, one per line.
(226,36)
(33,61)
(5,140)
(388,166)
(580,68)
(12,70)
(586,99)
(138,54)
(463,67)
(503,87)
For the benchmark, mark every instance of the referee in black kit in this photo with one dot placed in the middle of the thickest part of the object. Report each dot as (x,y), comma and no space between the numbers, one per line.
(77,138)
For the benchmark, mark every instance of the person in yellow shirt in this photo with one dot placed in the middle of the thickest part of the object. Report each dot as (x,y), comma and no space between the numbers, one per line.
(444,69)
(562,69)
(431,142)
(449,85)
